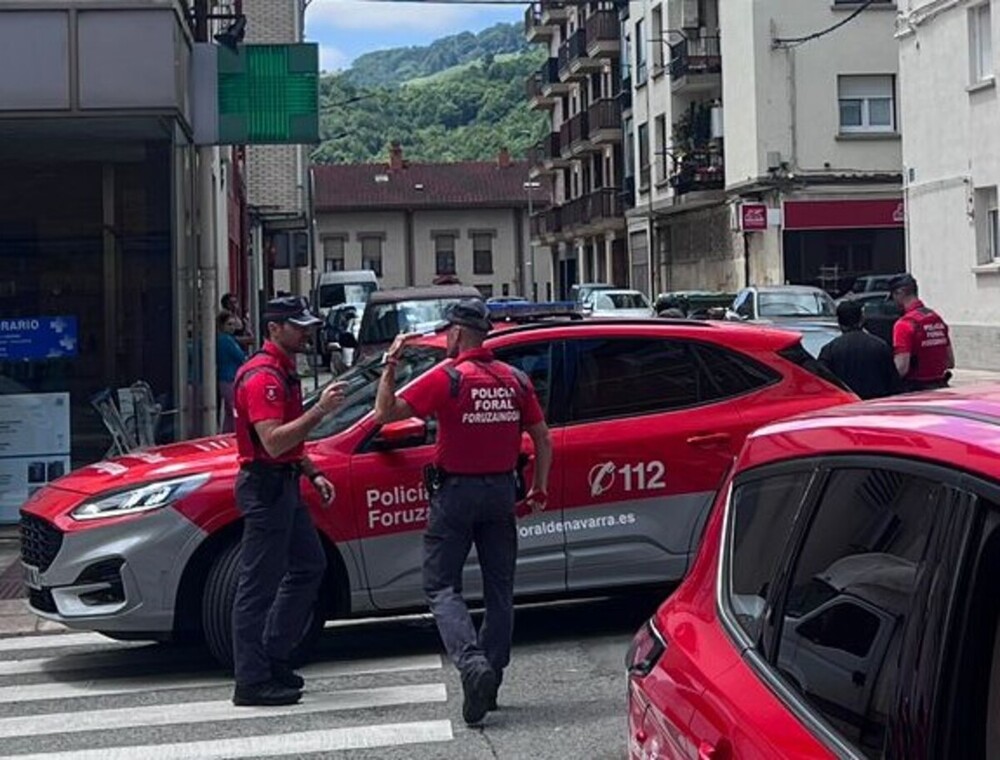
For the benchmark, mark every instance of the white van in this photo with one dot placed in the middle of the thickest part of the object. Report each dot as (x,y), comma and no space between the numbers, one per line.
(338,288)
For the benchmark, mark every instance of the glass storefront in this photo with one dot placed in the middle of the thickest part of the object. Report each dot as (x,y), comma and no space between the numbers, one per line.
(86,294)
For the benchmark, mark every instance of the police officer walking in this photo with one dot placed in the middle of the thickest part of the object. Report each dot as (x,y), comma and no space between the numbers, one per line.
(862,360)
(482,405)
(920,340)
(282,560)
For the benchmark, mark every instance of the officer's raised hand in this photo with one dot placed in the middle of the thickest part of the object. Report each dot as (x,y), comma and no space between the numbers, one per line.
(331,397)
(398,344)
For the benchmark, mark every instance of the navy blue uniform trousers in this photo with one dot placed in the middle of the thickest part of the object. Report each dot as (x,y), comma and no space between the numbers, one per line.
(280,570)
(472,510)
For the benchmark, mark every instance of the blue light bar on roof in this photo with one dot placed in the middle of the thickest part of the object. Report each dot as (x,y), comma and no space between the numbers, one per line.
(513,312)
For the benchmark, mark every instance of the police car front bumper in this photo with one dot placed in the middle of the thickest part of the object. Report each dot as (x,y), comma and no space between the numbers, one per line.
(123,577)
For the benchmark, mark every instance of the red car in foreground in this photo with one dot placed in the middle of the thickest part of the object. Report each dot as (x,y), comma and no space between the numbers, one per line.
(646,417)
(843,602)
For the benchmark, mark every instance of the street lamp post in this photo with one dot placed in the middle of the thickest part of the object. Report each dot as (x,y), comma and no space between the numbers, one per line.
(528,187)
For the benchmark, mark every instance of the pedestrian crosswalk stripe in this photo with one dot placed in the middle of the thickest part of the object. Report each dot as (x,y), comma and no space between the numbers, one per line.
(18,643)
(186,713)
(122,658)
(274,745)
(133,685)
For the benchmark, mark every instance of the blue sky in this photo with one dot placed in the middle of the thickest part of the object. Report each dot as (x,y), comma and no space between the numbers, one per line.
(345,29)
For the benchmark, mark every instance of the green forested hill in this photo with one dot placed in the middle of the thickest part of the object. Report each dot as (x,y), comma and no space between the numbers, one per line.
(460,98)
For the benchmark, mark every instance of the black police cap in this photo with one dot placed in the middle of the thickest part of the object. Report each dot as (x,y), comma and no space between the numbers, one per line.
(903,281)
(293,309)
(469,312)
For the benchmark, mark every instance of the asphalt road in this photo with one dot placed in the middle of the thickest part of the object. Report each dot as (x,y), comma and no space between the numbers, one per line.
(375,690)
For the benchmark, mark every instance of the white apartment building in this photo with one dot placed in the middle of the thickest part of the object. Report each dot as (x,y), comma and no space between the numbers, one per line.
(412,223)
(763,102)
(581,85)
(951,153)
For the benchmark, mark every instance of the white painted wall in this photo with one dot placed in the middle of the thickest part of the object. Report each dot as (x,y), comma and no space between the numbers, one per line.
(951,145)
(785,100)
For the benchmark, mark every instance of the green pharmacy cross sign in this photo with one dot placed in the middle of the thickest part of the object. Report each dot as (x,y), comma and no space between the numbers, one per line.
(268,94)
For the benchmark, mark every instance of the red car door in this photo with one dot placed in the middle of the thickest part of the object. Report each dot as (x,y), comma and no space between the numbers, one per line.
(643,454)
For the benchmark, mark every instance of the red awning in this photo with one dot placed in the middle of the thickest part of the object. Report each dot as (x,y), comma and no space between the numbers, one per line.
(839,215)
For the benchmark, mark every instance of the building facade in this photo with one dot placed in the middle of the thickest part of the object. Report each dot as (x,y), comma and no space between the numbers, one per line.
(951,151)
(583,88)
(98,219)
(411,223)
(769,103)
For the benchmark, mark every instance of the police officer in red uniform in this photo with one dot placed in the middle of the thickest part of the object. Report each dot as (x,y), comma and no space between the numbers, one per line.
(281,560)
(482,406)
(921,344)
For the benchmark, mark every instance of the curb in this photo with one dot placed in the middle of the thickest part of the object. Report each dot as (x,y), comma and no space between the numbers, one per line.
(17,619)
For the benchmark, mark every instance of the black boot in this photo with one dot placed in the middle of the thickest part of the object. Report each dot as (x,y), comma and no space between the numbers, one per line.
(479,684)
(282,673)
(493,707)
(266,694)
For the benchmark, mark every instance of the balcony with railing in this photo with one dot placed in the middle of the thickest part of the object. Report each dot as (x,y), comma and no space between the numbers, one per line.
(544,87)
(601,209)
(604,34)
(545,225)
(701,171)
(605,121)
(546,155)
(553,12)
(535,30)
(696,64)
(574,135)
(573,60)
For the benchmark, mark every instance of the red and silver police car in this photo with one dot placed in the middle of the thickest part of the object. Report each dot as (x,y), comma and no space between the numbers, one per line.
(843,602)
(646,418)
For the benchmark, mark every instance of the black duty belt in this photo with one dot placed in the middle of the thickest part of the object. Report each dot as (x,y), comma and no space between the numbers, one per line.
(272,468)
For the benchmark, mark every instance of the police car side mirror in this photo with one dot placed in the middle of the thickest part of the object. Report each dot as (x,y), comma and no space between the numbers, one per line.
(398,435)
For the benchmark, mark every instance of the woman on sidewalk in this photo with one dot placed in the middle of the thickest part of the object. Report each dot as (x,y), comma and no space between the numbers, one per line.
(228,358)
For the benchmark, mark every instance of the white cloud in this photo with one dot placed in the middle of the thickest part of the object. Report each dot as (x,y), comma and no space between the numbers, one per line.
(332,59)
(396,16)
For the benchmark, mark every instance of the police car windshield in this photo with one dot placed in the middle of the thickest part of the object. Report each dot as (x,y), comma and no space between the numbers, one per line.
(362,385)
(385,321)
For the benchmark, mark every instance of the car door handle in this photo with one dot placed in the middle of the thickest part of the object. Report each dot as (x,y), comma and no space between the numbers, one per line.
(710,439)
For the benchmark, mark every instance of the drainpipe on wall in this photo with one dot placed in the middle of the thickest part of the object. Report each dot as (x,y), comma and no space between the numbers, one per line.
(207,289)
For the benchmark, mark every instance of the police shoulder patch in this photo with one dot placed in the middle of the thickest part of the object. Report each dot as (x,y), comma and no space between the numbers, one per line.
(271,392)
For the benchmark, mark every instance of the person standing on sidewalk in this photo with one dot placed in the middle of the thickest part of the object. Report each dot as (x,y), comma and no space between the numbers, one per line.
(229,356)
(482,406)
(282,560)
(921,343)
(862,360)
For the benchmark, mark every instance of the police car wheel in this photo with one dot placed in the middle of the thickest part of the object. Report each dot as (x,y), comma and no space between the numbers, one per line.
(217,610)
(217,604)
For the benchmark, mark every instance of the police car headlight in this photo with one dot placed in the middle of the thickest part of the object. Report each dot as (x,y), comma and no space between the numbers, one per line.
(142,499)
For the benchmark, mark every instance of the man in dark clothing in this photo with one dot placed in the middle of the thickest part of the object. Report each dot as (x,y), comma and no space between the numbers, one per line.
(863,361)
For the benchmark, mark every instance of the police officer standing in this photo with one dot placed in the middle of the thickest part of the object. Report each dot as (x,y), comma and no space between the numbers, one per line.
(481,405)
(920,340)
(281,561)
(862,360)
